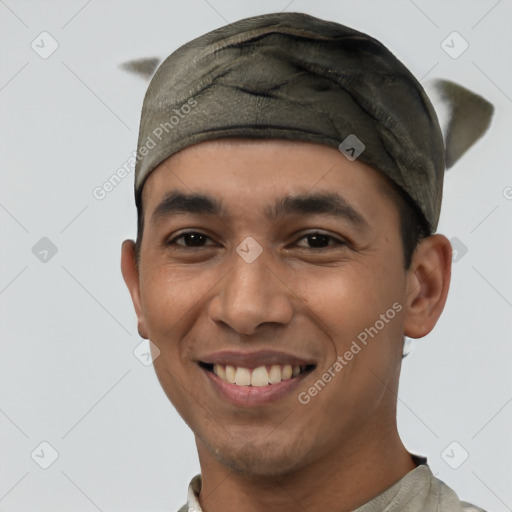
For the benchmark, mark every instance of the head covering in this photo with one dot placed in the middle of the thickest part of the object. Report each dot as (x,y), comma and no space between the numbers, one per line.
(294,76)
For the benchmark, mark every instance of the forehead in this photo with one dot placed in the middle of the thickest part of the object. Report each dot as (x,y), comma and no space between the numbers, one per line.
(252,172)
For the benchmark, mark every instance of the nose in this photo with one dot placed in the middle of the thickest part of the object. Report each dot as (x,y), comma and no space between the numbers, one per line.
(252,294)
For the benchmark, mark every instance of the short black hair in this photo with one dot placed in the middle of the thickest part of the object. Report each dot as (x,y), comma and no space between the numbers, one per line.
(413,225)
(140,227)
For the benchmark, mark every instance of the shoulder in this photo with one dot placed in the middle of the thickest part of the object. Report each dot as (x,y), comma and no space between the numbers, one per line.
(468,507)
(448,501)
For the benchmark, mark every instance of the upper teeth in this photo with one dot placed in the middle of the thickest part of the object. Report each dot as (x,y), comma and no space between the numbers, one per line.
(260,376)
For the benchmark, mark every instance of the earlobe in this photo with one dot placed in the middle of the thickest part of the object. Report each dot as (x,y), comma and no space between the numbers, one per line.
(131,279)
(428,282)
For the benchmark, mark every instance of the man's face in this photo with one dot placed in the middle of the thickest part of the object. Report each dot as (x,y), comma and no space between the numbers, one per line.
(325,278)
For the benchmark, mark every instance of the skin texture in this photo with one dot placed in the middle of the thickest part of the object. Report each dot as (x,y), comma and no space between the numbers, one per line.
(342,448)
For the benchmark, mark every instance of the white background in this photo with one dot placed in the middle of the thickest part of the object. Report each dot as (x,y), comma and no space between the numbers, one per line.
(68,375)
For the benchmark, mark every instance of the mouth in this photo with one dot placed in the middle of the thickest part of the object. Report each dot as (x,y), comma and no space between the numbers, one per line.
(261,376)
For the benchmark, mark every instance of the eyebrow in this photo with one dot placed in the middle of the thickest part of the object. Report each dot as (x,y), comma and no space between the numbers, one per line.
(326,203)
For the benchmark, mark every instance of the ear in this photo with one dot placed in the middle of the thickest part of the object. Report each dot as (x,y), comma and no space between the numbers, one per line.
(428,281)
(131,278)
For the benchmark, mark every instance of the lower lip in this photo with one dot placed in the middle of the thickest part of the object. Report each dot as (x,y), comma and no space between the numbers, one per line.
(254,395)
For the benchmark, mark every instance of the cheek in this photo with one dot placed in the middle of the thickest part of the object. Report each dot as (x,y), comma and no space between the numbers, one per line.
(361,312)
(349,299)
(360,309)
(169,300)
(168,297)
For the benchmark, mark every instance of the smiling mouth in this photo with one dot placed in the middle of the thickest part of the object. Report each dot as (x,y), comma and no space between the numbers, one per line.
(257,377)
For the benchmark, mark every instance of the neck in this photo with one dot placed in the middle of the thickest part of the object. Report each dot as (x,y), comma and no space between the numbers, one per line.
(343,480)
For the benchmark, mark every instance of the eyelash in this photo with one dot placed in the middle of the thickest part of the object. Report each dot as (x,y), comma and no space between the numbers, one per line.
(337,241)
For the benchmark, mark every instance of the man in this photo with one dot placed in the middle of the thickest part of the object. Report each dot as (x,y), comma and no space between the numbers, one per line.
(288,184)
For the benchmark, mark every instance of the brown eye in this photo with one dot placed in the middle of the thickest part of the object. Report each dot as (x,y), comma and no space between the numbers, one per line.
(321,240)
(190,239)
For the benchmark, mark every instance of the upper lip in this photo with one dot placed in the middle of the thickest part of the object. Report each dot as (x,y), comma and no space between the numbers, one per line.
(254,359)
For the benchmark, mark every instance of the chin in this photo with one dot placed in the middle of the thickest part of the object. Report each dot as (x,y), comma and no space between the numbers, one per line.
(260,461)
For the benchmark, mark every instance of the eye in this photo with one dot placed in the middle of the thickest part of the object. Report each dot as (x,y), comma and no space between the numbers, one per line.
(319,240)
(315,240)
(191,239)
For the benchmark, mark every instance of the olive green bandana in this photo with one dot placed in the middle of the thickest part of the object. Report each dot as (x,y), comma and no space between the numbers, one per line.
(294,76)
